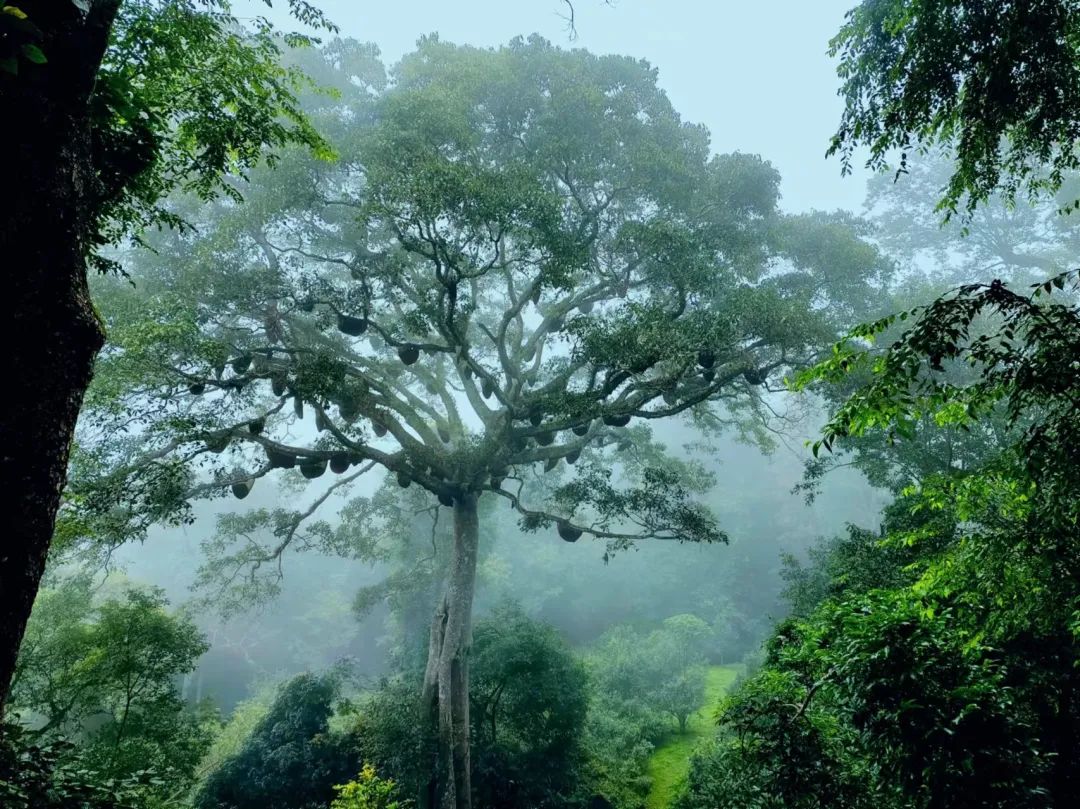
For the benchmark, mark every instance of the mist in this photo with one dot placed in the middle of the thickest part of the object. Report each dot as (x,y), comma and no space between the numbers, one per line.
(510,405)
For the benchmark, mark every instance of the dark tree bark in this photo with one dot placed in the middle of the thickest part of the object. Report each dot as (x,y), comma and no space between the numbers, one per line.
(50,210)
(446,681)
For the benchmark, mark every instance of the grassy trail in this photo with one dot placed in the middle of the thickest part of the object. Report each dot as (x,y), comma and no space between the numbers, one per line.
(670,762)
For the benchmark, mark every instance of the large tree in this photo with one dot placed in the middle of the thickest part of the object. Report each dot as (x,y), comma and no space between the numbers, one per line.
(522,259)
(108,105)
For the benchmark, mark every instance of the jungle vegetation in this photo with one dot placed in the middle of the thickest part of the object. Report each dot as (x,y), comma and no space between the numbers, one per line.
(469,373)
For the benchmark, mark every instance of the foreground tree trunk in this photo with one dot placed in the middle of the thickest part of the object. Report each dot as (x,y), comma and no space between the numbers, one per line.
(51,332)
(446,680)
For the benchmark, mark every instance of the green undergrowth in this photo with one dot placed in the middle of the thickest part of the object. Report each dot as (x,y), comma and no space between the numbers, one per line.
(670,762)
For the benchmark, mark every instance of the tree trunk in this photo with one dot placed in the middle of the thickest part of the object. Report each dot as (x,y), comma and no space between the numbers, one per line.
(51,331)
(446,681)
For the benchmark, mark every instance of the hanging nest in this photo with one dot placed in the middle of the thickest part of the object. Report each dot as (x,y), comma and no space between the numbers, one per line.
(616,421)
(444,434)
(585,307)
(403,480)
(550,464)
(241,364)
(256,426)
(218,443)
(487,387)
(348,407)
(242,488)
(755,376)
(197,388)
(571,457)
(706,358)
(529,355)
(352,326)
(339,462)
(518,442)
(569,532)
(307,304)
(279,382)
(298,406)
(408,354)
(535,298)
(545,439)
(446,499)
(378,429)
(312,468)
(280,460)
(261,362)
(496,482)
(536,417)
(708,375)
(670,397)
(580,429)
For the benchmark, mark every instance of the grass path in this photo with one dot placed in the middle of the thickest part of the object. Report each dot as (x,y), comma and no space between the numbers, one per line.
(670,762)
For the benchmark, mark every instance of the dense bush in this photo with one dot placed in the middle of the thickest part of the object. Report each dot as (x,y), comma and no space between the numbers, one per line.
(50,775)
(291,760)
(102,670)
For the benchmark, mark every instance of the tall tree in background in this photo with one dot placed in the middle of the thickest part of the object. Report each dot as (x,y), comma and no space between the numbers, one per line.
(108,106)
(521,252)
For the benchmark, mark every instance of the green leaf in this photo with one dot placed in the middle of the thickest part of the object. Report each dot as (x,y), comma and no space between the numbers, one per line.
(33,54)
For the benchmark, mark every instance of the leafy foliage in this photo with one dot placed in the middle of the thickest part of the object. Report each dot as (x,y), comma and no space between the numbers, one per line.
(36,775)
(366,791)
(105,673)
(529,699)
(291,759)
(923,676)
(186,98)
(997,84)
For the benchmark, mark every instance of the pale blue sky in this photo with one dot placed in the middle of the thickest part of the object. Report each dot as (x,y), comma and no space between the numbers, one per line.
(756,73)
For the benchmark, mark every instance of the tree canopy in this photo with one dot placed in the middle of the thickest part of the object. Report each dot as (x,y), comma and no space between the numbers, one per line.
(522,258)
(996,84)
(388,299)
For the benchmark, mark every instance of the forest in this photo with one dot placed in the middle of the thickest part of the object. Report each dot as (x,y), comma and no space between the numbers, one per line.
(421,406)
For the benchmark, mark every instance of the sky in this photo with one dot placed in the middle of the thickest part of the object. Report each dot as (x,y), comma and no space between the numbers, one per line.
(757,74)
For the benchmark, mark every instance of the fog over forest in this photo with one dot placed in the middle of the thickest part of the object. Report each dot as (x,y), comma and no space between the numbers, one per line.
(541,405)
(752,496)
